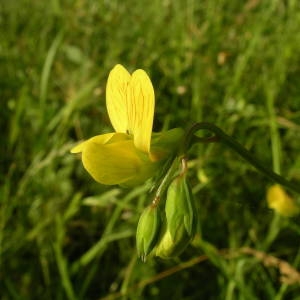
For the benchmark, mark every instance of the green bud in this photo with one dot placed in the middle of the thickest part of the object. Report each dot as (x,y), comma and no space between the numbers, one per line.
(148,230)
(181,219)
(180,208)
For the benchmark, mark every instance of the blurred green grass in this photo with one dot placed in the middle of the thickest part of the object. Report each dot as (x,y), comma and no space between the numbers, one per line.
(233,63)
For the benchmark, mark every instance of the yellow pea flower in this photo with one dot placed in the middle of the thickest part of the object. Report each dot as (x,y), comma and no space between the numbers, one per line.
(131,154)
(281,202)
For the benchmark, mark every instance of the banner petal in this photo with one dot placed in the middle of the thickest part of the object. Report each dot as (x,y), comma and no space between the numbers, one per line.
(140,104)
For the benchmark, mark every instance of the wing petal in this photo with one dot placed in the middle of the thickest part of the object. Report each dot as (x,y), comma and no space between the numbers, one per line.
(116,89)
(115,163)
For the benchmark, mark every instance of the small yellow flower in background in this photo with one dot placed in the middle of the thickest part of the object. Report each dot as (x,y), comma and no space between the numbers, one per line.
(281,202)
(131,154)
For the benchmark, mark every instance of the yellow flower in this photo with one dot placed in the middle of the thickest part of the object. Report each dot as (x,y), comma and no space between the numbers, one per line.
(132,153)
(281,202)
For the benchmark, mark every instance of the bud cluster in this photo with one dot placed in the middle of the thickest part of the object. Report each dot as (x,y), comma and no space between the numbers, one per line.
(168,225)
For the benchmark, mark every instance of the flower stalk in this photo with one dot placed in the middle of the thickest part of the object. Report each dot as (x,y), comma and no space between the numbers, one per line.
(221,136)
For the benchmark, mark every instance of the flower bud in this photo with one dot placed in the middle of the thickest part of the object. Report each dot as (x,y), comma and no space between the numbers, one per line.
(169,247)
(181,219)
(148,230)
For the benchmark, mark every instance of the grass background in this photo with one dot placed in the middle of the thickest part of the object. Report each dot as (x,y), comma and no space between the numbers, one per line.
(234,63)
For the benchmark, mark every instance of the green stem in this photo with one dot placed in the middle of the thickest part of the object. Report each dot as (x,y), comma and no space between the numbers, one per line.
(233,144)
